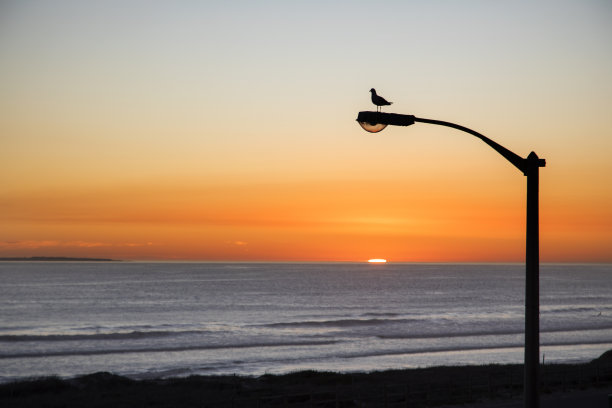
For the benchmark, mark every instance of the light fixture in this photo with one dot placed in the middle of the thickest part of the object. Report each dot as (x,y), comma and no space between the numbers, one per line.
(375,122)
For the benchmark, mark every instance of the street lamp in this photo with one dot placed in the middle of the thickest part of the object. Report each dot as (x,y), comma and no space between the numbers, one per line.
(376,121)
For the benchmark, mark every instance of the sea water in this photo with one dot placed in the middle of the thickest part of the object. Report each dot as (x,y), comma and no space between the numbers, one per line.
(148,320)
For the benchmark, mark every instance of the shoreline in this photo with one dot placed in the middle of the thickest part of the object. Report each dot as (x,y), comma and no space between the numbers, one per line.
(433,386)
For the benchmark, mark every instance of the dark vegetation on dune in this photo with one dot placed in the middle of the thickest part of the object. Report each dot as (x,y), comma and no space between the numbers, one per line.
(412,387)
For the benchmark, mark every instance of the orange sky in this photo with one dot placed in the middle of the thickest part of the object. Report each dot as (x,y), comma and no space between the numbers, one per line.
(320,221)
(201,132)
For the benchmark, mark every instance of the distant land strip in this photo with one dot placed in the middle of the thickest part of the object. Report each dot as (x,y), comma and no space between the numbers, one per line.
(57,259)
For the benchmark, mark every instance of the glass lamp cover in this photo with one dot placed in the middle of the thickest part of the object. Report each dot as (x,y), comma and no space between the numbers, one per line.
(372,127)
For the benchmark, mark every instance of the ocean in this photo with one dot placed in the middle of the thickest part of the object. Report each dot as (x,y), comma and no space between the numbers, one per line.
(154,320)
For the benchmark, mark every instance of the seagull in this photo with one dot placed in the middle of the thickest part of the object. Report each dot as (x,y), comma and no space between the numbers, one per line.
(378,100)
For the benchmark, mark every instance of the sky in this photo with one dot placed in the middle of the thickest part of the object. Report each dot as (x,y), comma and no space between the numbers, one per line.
(225,130)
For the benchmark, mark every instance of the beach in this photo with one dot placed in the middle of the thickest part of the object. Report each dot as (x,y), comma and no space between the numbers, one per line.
(562,385)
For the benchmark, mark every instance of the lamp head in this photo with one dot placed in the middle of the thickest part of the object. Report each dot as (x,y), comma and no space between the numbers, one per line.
(374,122)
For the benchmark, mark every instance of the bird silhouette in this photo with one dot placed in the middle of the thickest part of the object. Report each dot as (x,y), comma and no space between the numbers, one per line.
(378,100)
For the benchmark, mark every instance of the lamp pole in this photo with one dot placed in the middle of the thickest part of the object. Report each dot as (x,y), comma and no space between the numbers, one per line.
(530,166)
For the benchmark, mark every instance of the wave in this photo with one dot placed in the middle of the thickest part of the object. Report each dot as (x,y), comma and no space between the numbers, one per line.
(467,347)
(64,353)
(597,323)
(338,323)
(345,355)
(602,324)
(491,332)
(132,335)
(594,309)
(383,314)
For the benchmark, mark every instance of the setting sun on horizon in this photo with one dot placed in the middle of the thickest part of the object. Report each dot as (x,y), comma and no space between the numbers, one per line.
(210,132)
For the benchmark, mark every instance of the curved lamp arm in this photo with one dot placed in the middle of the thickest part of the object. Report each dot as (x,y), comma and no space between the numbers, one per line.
(520,163)
(512,157)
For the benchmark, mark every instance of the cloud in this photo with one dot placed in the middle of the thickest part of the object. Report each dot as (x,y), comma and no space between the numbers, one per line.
(237,243)
(85,244)
(30,244)
(33,244)
(135,244)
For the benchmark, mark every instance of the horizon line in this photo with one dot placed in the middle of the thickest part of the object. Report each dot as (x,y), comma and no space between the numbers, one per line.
(364,261)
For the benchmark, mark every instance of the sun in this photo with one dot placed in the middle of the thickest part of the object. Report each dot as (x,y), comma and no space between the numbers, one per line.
(377,260)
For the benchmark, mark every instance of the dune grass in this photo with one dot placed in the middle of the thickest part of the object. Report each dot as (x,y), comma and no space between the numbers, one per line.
(452,385)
